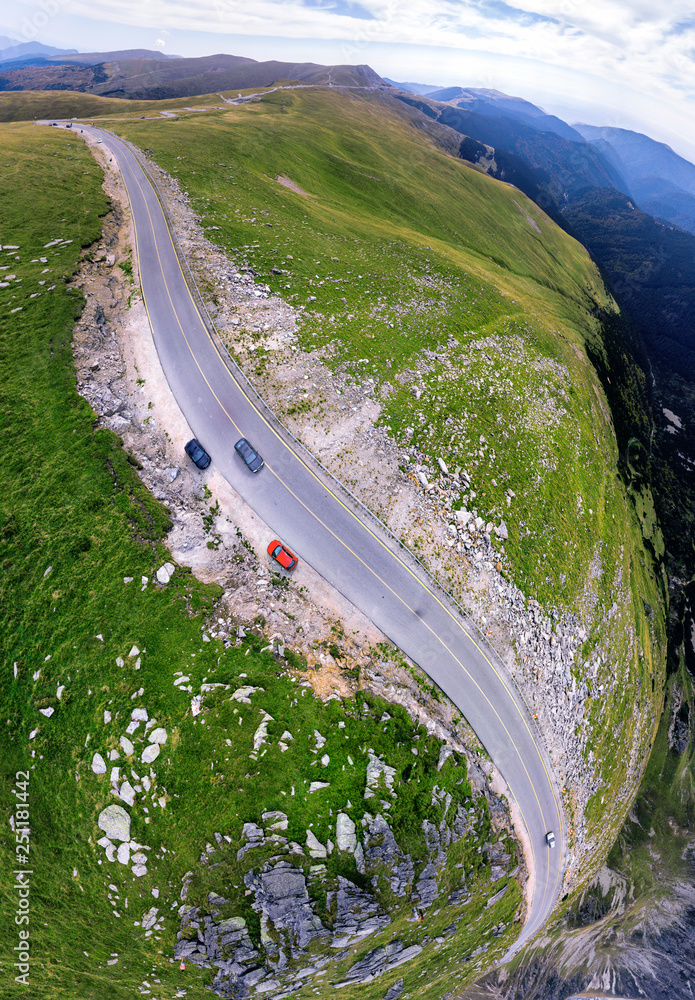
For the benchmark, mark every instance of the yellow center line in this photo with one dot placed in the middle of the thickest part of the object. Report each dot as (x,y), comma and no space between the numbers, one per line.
(361,523)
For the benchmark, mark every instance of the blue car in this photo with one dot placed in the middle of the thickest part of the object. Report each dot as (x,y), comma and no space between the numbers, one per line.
(197,454)
(249,455)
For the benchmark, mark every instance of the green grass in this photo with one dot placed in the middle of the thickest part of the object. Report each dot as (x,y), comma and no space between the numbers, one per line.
(74,521)
(399,249)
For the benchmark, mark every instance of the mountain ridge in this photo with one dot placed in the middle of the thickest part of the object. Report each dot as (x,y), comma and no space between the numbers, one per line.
(662,181)
(160,77)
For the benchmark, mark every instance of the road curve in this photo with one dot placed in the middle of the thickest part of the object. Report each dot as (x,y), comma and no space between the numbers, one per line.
(353,555)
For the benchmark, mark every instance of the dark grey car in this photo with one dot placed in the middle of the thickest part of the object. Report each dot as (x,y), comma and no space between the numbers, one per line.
(197,454)
(249,455)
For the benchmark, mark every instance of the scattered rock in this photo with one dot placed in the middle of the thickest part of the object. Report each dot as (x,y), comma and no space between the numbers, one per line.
(165,572)
(98,764)
(115,822)
(314,846)
(276,820)
(496,898)
(261,734)
(242,694)
(345,833)
(150,918)
(394,991)
(378,770)
(376,962)
(150,753)
(127,793)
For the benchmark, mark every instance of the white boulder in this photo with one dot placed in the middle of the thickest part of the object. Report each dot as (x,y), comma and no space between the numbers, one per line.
(115,822)
(150,753)
(314,846)
(127,793)
(165,573)
(98,764)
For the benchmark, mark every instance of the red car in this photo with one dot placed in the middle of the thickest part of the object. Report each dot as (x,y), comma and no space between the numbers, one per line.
(282,555)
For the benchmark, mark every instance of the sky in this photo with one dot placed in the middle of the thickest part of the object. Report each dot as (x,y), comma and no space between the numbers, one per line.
(626,63)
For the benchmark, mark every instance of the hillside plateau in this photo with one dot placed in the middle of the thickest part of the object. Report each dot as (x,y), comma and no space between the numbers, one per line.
(429,334)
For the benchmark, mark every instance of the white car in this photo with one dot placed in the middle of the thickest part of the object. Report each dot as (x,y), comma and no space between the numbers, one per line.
(550,839)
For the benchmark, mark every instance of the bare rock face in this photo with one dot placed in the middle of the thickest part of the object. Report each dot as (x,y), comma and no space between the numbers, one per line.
(357,914)
(380,848)
(282,899)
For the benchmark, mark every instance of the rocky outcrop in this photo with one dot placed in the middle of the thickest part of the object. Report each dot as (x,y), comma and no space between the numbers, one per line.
(379,961)
(357,914)
(382,854)
(298,936)
(281,897)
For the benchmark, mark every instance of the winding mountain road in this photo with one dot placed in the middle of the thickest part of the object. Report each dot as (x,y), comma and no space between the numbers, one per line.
(325,530)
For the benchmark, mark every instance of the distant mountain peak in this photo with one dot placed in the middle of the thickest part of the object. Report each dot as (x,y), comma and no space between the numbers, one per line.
(11,48)
(423,89)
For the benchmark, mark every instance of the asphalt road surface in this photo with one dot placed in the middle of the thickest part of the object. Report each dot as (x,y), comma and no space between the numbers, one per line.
(324,530)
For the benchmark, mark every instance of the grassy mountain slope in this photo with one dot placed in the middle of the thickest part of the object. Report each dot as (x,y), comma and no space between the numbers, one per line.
(414,270)
(19,105)
(648,264)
